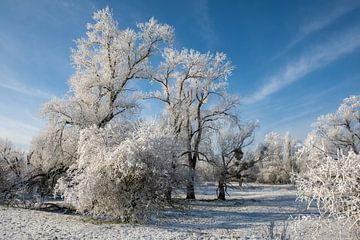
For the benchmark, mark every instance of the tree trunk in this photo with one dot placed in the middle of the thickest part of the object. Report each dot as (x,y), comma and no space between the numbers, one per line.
(190,189)
(172,181)
(194,155)
(168,193)
(221,190)
(240,182)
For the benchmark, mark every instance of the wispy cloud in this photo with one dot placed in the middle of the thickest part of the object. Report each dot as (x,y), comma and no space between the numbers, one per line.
(201,12)
(322,21)
(23,89)
(9,80)
(316,58)
(296,117)
(17,131)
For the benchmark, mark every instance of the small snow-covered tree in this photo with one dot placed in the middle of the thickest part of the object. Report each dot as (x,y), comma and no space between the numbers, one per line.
(331,174)
(194,92)
(121,176)
(227,151)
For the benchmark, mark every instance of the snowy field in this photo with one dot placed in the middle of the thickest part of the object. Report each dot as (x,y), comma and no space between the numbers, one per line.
(245,215)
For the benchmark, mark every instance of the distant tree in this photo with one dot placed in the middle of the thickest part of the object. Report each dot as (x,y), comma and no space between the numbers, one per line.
(227,149)
(340,130)
(281,158)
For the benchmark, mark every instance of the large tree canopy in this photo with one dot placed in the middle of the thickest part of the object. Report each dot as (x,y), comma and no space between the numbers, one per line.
(105,62)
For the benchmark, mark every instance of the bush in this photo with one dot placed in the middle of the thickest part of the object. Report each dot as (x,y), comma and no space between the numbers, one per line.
(334,184)
(3,182)
(12,165)
(274,175)
(120,177)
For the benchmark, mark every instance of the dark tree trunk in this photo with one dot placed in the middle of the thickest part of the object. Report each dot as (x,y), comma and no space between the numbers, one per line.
(168,193)
(190,190)
(191,159)
(240,182)
(221,190)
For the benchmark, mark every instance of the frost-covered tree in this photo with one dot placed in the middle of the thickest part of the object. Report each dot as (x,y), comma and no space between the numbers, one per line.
(340,130)
(331,174)
(281,160)
(105,63)
(121,174)
(193,88)
(227,153)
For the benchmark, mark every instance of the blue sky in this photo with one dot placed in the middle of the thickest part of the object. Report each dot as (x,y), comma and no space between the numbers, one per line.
(294,60)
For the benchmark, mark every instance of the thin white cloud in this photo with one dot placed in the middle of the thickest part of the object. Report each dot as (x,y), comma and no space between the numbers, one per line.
(18,132)
(23,89)
(324,20)
(318,23)
(291,119)
(312,60)
(201,12)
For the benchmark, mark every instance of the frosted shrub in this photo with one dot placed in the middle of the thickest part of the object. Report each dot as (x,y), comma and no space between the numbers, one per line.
(334,184)
(274,175)
(3,180)
(277,232)
(122,179)
(52,152)
(317,227)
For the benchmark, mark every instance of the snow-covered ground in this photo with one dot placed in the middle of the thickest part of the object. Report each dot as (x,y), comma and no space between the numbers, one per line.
(245,215)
